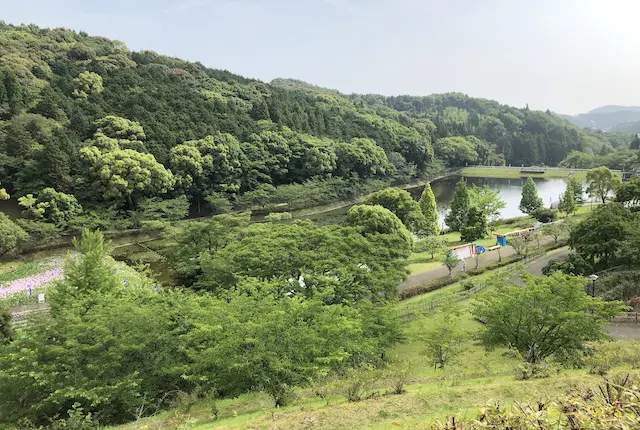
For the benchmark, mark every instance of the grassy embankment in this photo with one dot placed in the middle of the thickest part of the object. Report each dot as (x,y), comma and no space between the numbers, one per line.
(514,172)
(421,261)
(474,379)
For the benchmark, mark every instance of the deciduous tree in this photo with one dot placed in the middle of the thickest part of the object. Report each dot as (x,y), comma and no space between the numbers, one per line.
(475,226)
(401,203)
(11,235)
(375,219)
(487,201)
(602,182)
(550,315)
(443,336)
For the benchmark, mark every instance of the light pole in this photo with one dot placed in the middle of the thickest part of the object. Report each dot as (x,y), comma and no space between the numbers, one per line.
(593,278)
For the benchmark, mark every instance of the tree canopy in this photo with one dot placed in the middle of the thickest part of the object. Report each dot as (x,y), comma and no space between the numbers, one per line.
(76,109)
(457,216)
(550,315)
(401,203)
(602,182)
(530,201)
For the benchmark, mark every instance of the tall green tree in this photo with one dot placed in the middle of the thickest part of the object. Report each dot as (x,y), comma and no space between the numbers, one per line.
(127,175)
(629,192)
(530,200)
(457,215)
(488,201)
(602,182)
(551,315)
(576,187)
(11,235)
(51,206)
(430,210)
(475,226)
(401,203)
(567,204)
(606,236)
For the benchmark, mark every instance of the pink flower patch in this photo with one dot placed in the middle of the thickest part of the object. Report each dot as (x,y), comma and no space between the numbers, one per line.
(40,280)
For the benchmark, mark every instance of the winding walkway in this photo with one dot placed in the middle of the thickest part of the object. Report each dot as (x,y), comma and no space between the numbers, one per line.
(487,258)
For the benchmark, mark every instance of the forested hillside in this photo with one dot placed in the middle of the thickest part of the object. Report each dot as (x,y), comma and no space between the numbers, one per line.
(606,117)
(85,116)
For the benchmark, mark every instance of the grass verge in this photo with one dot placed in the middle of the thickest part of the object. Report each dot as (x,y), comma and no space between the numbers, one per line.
(514,172)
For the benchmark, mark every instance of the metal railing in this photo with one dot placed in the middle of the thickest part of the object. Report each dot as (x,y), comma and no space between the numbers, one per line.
(570,169)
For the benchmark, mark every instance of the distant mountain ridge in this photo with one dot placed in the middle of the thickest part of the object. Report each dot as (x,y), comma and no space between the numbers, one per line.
(608,118)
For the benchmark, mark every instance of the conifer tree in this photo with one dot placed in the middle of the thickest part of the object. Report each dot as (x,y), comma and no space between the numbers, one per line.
(457,216)
(567,203)
(530,200)
(429,210)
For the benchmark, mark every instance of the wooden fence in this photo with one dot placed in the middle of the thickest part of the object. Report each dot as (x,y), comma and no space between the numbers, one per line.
(627,318)
(425,307)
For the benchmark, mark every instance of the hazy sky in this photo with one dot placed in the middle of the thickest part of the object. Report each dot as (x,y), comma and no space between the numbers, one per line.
(566,55)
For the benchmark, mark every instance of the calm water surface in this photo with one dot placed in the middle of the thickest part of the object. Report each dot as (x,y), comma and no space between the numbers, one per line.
(510,191)
(443,189)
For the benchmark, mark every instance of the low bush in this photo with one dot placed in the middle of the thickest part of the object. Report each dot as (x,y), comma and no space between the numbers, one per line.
(278,216)
(525,370)
(545,215)
(614,405)
(359,384)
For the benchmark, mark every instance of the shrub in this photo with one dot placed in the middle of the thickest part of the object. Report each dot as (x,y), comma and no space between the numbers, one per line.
(525,370)
(398,374)
(545,215)
(278,216)
(360,382)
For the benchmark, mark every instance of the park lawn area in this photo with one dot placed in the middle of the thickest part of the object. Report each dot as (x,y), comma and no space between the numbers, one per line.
(506,172)
(423,262)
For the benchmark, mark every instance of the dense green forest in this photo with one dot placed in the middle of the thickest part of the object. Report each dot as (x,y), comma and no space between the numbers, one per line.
(110,129)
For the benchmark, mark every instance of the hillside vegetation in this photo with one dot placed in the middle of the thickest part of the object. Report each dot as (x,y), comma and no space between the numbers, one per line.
(89,118)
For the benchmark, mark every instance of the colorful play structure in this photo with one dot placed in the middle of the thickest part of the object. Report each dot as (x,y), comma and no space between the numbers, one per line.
(502,238)
(471,249)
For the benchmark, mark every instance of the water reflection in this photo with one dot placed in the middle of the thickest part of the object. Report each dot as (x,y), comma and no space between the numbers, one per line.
(510,191)
(443,189)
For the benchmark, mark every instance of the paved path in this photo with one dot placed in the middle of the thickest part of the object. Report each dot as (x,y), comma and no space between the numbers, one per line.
(429,275)
(487,258)
(535,267)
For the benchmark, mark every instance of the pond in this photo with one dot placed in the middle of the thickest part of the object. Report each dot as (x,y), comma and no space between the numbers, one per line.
(11,208)
(510,191)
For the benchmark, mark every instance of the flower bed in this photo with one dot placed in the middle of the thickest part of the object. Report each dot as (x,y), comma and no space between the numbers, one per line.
(37,281)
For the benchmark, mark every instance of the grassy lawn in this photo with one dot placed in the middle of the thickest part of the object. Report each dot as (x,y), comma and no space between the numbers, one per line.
(479,172)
